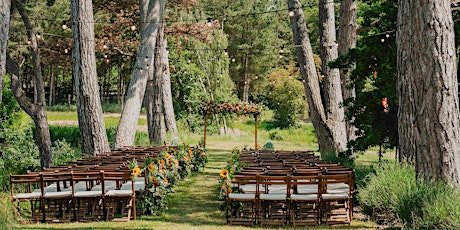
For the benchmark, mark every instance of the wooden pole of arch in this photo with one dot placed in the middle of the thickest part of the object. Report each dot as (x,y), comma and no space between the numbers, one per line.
(205,127)
(255,132)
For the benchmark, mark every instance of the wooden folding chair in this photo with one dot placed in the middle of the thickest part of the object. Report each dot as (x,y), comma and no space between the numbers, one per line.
(336,198)
(87,199)
(241,205)
(119,200)
(304,203)
(25,188)
(56,189)
(273,200)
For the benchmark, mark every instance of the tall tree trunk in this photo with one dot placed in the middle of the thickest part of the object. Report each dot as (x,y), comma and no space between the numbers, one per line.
(37,110)
(170,118)
(5,7)
(90,117)
(428,115)
(149,18)
(347,40)
(154,104)
(246,79)
(331,137)
(52,90)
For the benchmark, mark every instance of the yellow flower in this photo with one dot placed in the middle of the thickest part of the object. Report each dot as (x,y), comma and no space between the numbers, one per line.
(187,158)
(176,162)
(233,171)
(166,181)
(224,173)
(168,156)
(230,160)
(162,162)
(136,171)
(229,189)
(151,167)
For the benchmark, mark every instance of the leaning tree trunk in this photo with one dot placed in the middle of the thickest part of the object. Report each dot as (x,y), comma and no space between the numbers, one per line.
(5,7)
(90,117)
(170,118)
(428,115)
(325,127)
(37,111)
(149,16)
(347,40)
(154,104)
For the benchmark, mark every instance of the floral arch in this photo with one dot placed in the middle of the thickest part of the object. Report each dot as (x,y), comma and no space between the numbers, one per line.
(242,108)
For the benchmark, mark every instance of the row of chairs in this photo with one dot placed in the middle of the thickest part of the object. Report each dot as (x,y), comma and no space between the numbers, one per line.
(96,187)
(77,196)
(295,199)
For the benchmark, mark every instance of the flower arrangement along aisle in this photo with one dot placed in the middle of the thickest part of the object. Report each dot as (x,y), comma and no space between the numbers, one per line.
(164,173)
(226,176)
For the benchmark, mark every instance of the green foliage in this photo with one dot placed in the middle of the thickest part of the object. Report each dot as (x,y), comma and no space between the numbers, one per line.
(63,152)
(68,134)
(393,194)
(275,136)
(10,115)
(6,212)
(286,97)
(18,155)
(268,146)
(374,77)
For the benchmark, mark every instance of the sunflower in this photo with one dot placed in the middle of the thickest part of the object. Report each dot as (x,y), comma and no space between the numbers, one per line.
(176,162)
(224,173)
(166,181)
(136,171)
(151,167)
(162,162)
(168,156)
(187,158)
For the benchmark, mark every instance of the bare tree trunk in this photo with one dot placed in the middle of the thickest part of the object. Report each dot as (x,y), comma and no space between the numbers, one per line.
(154,104)
(246,80)
(347,40)
(331,137)
(170,118)
(5,7)
(428,115)
(149,16)
(52,77)
(90,117)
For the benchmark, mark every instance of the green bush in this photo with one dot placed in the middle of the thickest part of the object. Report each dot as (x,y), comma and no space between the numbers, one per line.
(268,146)
(393,195)
(19,154)
(6,212)
(63,108)
(275,136)
(69,134)
(64,153)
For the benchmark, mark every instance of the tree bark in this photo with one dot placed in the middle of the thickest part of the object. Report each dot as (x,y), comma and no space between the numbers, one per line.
(347,40)
(149,17)
(90,117)
(5,7)
(170,118)
(428,115)
(330,135)
(154,104)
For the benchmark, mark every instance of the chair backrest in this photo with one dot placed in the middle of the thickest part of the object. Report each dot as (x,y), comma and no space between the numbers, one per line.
(331,180)
(90,178)
(119,177)
(305,183)
(62,180)
(30,181)
(241,180)
(268,181)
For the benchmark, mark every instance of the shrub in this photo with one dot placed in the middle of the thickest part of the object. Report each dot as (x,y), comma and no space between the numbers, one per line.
(268,146)
(69,134)
(64,153)
(6,212)
(19,154)
(378,198)
(275,136)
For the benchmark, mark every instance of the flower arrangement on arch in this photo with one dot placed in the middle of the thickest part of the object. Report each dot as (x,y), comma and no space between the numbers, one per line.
(242,108)
(134,167)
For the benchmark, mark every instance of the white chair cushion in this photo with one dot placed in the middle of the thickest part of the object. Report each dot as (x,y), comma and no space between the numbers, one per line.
(334,191)
(30,195)
(250,188)
(58,194)
(271,196)
(338,186)
(118,193)
(88,193)
(307,188)
(334,196)
(242,196)
(297,197)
